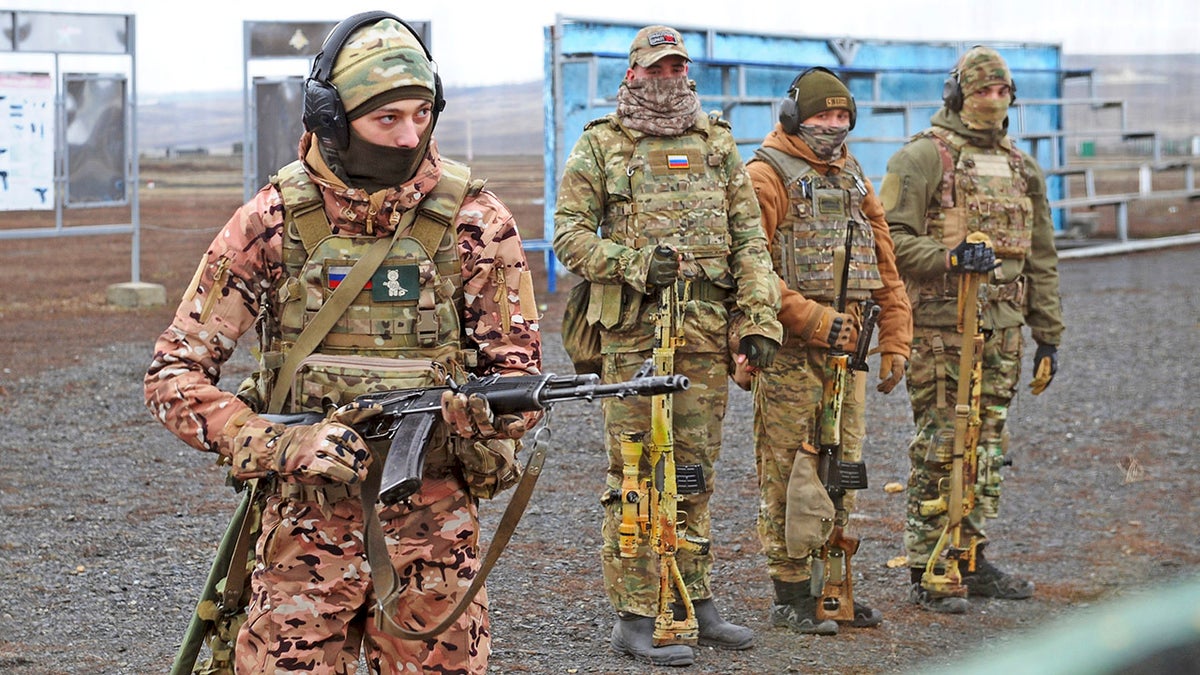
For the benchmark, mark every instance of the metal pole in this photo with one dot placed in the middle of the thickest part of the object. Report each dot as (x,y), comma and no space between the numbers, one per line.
(135,264)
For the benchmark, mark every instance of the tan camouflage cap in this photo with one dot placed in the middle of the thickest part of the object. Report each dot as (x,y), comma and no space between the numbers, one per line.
(981,67)
(381,63)
(653,43)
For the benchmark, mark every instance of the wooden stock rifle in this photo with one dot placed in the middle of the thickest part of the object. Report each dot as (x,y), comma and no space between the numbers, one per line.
(957,493)
(832,580)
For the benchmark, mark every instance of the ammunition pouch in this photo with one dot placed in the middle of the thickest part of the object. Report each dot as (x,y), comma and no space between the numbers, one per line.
(321,494)
(708,292)
(1012,292)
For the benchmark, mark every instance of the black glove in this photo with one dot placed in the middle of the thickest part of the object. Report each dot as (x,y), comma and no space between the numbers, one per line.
(1045,365)
(973,257)
(663,268)
(760,350)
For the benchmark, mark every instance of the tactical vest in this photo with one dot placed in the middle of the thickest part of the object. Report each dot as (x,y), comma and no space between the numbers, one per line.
(672,191)
(823,211)
(405,317)
(982,190)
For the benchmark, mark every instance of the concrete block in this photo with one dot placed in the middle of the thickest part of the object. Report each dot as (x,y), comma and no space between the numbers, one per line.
(137,294)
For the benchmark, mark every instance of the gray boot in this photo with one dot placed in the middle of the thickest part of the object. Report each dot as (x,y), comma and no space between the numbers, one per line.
(796,608)
(634,635)
(719,633)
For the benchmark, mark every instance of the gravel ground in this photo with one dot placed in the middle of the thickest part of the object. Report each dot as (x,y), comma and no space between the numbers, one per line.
(109,522)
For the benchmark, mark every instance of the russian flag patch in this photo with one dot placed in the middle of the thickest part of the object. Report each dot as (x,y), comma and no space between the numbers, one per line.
(677,161)
(337,274)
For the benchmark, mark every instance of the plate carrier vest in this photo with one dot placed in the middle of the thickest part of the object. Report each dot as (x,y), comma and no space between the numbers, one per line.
(823,210)
(407,314)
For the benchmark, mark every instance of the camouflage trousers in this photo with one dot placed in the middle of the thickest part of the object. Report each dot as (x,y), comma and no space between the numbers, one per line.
(787,410)
(632,583)
(312,601)
(932,388)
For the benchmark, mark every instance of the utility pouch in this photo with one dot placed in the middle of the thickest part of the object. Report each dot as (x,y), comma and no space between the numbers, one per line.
(581,337)
(325,381)
(808,515)
(615,307)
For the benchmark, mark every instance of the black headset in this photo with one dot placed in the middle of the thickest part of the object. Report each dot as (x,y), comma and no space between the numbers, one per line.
(324,112)
(789,110)
(952,93)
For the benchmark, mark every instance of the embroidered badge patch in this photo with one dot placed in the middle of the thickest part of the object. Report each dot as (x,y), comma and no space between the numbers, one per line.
(395,283)
(662,37)
(677,161)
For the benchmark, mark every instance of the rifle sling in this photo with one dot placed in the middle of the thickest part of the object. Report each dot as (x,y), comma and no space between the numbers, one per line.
(387,581)
(193,640)
(235,580)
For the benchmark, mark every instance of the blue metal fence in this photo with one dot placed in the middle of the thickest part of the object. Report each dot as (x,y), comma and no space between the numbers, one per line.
(897,86)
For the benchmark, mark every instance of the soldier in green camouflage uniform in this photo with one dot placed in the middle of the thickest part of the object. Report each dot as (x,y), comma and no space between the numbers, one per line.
(661,172)
(965,175)
(452,295)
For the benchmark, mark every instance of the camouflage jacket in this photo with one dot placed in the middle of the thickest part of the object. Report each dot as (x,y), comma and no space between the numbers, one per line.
(895,319)
(181,383)
(597,173)
(911,192)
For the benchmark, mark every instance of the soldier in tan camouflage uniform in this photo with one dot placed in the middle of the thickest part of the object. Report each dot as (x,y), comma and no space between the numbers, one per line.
(962,175)
(458,301)
(660,172)
(813,193)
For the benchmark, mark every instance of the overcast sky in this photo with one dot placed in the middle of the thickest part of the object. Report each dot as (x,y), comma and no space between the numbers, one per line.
(197,46)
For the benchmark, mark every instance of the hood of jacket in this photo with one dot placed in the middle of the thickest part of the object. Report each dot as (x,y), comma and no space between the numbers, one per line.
(986,138)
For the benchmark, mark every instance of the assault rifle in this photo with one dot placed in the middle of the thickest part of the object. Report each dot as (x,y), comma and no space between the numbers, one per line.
(409,415)
(832,581)
(957,494)
(649,505)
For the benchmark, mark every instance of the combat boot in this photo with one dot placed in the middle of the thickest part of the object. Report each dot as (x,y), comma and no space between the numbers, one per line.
(931,601)
(795,608)
(715,631)
(987,581)
(634,635)
(865,616)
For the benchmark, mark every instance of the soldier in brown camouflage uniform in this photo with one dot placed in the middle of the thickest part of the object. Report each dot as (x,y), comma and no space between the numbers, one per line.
(460,302)
(661,172)
(964,175)
(812,191)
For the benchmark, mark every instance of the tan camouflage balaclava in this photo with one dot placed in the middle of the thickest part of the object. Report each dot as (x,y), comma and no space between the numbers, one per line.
(982,67)
(380,64)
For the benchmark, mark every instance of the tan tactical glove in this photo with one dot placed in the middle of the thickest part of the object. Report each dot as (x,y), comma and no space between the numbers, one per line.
(313,454)
(891,371)
(472,417)
(1045,365)
(832,329)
